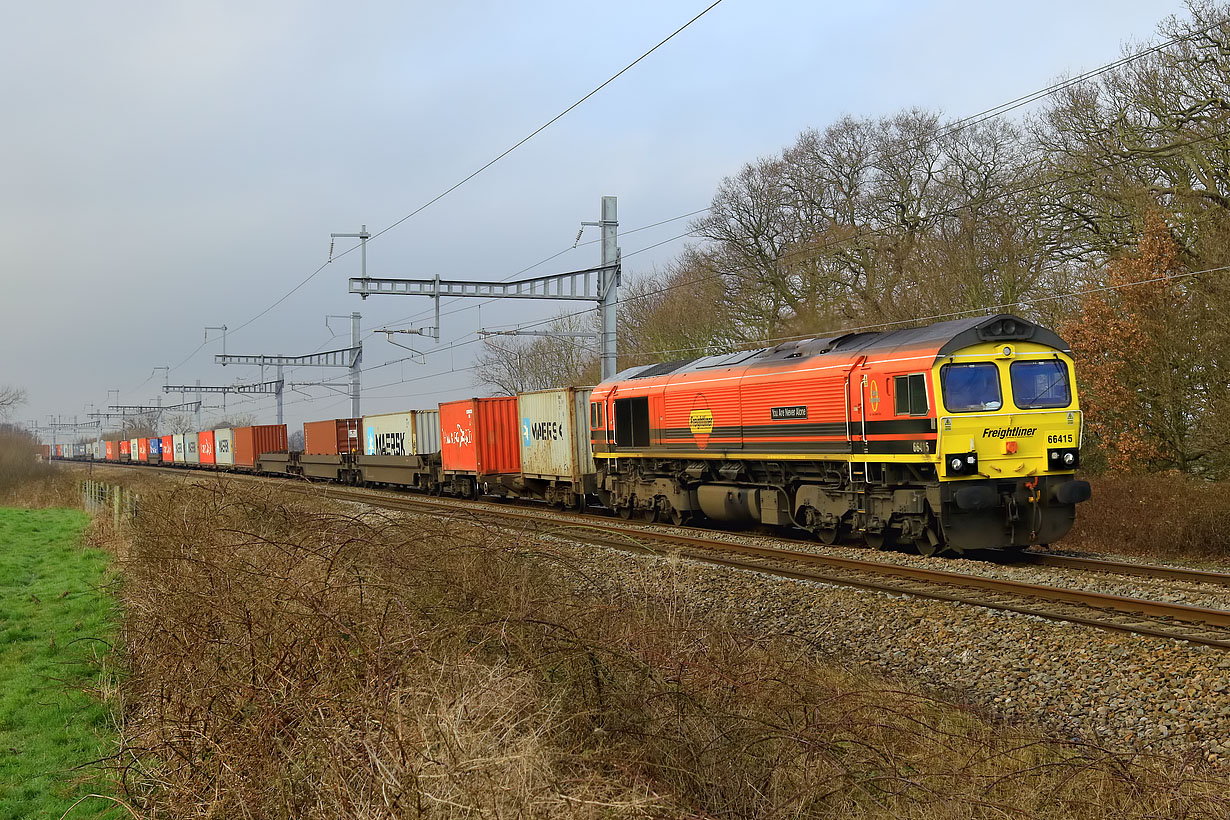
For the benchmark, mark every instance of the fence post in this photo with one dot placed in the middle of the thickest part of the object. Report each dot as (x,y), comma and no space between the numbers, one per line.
(115,516)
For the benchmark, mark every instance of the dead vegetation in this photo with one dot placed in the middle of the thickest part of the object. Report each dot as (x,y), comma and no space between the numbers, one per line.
(1159,515)
(286,660)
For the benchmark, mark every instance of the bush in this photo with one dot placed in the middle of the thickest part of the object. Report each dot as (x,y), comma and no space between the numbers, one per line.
(288,659)
(1166,515)
(19,465)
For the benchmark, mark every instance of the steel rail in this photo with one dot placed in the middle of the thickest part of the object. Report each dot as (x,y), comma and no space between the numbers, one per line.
(1210,620)
(1210,627)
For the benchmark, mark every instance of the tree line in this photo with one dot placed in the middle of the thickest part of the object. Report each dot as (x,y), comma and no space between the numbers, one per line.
(1104,214)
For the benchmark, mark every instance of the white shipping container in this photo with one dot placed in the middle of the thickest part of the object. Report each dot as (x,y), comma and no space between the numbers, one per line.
(389,434)
(224,446)
(178,440)
(133,450)
(412,433)
(555,434)
(191,442)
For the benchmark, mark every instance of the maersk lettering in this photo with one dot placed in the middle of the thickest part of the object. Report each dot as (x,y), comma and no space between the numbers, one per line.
(388,444)
(1008,432)
(547,431)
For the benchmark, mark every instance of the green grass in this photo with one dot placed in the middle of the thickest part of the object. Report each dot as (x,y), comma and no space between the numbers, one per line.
(54,624)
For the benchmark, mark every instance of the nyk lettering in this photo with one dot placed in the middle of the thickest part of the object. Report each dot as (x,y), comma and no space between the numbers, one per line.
(1008,432)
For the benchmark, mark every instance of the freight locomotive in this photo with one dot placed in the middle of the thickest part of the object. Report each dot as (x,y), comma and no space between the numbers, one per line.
(956,436)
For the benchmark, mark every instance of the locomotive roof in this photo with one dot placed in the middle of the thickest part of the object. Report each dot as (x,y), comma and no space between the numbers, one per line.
(945,337)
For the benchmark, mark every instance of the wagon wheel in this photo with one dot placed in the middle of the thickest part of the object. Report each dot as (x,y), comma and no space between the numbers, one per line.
(829,535)
(881,540)
(680,517)
(650,514)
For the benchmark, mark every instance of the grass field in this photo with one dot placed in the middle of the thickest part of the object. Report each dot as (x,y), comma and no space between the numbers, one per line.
(54,624)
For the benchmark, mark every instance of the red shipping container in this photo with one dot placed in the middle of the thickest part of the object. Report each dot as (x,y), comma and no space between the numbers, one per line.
(59,450)
(168,449)
(112,450)
(481,436)
(250,442)
(328,438)
(205,446)
(142,449)
(125,447)
(45,451)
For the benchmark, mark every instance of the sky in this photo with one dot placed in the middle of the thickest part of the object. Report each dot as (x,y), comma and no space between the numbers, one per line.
(174,166)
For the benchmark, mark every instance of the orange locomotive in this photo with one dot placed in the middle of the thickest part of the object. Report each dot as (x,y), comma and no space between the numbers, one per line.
(956,436)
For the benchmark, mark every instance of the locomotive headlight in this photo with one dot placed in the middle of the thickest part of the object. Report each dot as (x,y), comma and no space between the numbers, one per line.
(1066,458)
(956,464)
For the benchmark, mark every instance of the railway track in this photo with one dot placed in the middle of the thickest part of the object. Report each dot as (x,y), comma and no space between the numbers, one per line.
(1159,619)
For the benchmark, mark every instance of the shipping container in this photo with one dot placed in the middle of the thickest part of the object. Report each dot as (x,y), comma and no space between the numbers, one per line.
(328,438)
(125,447)
(181,454)
(44,450)
(59,451)
(134,452)
(192,453)
(168,449)
(111,450)
(224,447)
(412,433)
(555,434)
(480,436)
(142,449)
(155,450)
(250,442)
(205,446)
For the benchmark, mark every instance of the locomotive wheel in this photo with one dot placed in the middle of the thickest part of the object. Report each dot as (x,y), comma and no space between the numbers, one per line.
(625,512)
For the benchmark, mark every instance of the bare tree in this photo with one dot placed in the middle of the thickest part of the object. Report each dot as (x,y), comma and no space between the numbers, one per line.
(514,365)
(10,399)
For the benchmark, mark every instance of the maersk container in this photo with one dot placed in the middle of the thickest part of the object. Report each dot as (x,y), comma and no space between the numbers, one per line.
(192,453)
(329,438)
(480,436)
(412,433)
(555,434)
(181,456)
(250,442)
(224,447)
(205,446)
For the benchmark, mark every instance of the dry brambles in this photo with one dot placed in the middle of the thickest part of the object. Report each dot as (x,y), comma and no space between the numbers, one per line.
(288,659)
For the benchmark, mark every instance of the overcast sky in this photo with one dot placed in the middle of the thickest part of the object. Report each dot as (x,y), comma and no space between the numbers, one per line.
(170,166)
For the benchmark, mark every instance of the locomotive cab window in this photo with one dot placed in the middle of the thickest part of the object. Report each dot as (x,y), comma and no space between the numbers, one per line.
(1040,384)
(596,416)
(910,395)
(970,387)
(632,422)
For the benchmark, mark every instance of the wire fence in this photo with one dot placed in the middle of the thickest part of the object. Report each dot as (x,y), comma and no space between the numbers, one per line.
(97,497)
